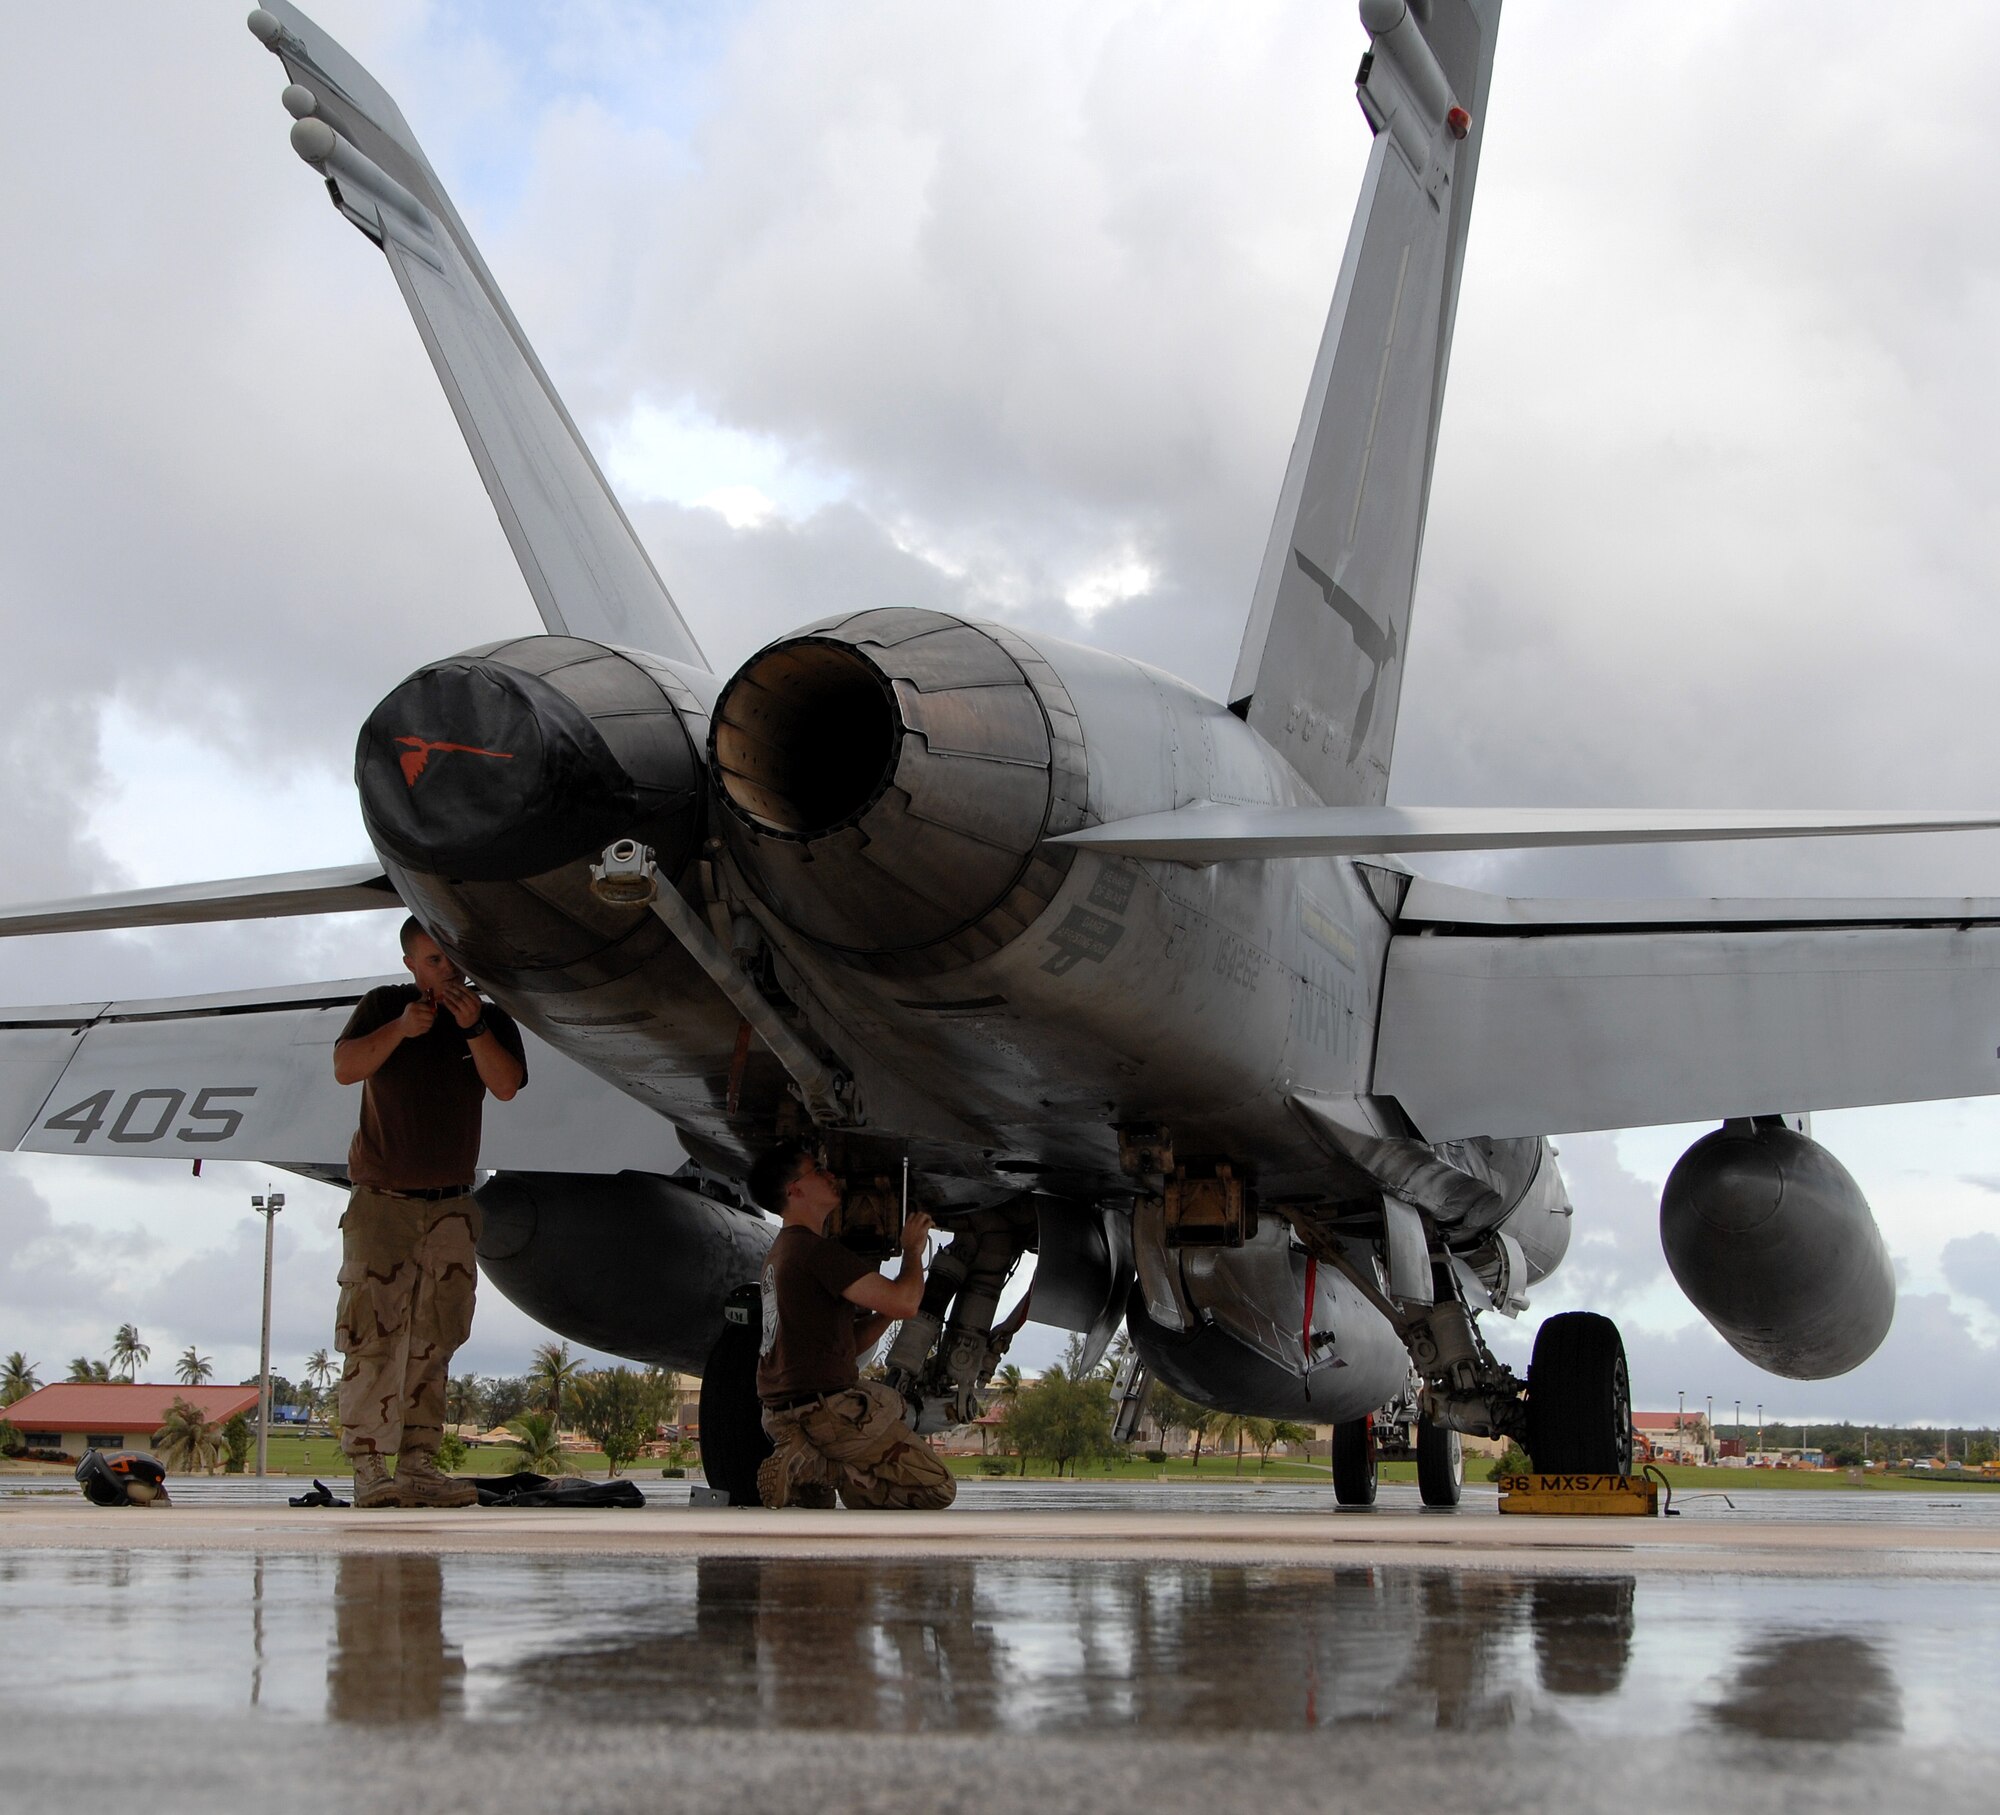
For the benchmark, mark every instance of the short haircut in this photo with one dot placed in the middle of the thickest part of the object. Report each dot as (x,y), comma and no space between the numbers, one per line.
(772,1173)
(412,931)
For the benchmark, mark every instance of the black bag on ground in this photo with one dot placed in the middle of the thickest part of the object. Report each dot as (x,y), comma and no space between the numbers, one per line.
(543,1490)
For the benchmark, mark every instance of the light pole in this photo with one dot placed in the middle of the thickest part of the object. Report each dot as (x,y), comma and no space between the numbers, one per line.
(1708,1435)
(1680,1429)
(1760,1428)
(267,1204)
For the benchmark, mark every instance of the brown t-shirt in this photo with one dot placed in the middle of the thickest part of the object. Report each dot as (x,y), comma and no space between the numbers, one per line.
(808,1326)
(420,1111)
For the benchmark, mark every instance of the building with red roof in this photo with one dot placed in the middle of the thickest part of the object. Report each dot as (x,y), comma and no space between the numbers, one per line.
(1670,1436)
(73,1417)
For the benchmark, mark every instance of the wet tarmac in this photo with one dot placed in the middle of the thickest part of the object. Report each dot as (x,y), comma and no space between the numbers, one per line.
(260,1674)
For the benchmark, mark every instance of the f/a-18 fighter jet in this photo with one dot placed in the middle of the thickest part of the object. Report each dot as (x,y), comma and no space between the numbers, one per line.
(1079,960)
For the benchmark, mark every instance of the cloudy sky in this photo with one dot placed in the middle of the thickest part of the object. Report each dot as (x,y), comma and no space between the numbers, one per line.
(1007,310)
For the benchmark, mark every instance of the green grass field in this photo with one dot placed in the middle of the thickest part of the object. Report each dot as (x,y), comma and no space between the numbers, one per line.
(308,1456)
(1799,1480)
(1212,1468)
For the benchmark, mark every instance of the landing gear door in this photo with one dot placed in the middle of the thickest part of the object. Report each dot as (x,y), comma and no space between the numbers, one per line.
(1083,1271)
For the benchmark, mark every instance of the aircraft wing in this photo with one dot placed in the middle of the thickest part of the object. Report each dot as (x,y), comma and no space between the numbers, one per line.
(353,888)
(1209,833)
(586,568)
(249,1076)
(1514,1017)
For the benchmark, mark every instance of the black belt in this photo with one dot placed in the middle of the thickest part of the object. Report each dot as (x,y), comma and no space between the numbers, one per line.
(431,1194)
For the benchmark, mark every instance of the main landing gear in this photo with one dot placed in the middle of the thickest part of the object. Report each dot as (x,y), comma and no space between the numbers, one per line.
(1579,1398)
(1354,1469)
(1356,1464)
(1440,1464)
(733,1443)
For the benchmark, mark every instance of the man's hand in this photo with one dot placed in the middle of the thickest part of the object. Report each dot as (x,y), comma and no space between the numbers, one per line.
(893,1299)
(464,1005)
(415,1021)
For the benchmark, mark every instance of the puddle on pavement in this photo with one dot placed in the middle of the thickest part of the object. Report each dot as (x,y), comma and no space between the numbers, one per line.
(989,1645)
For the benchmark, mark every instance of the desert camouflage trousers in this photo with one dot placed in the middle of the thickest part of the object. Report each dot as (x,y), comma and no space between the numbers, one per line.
(407,1276)
(857,1444)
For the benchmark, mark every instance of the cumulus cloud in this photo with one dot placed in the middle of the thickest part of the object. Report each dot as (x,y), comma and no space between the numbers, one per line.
(1972,1264)
(1008,312)
(1936,1363)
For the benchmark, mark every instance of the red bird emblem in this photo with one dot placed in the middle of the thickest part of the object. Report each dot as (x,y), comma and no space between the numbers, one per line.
(420,749)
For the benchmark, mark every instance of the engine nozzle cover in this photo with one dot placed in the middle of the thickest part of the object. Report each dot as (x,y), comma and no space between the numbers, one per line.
(511,761)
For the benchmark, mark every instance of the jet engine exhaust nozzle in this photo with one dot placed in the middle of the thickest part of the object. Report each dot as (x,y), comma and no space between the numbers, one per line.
(888,780)
(511,760)
(1769,1236)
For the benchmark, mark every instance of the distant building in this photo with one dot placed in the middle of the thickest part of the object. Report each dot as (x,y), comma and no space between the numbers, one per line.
(1670,1436)
(72,1417)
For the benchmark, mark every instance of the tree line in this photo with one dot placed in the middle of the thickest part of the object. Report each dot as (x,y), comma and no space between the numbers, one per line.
(1067,1416)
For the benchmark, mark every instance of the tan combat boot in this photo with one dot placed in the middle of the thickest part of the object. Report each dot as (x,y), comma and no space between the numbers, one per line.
(420,1482)
(372,1486)
(786,1477)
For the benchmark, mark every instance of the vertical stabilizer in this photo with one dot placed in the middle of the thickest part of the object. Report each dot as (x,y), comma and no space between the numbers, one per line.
(1322,661)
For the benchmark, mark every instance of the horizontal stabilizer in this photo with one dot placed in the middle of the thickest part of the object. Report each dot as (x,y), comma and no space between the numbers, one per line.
(354,888)
(1485,1032)
(1439,907)
(249,1076)
(1217,834)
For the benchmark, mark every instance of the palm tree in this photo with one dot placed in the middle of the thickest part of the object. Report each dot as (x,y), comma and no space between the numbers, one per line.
(461,1398)
(17,1378)
(189,1439)
(555,1373)
(541,1448)
(193,1369)
(319,1370)
(83,1371)
(1227,1427)
(128,1353)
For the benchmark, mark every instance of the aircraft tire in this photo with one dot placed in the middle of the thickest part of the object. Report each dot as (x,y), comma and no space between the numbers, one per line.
(732,1422)
(1440,1464)
(1579,1398)
(1354,1462)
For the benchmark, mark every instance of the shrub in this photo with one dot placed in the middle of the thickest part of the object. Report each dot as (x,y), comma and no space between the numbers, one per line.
(992,1465)
(452,1451)
(1156,1455)
(10,1439)
(236,1444)
(673,1472)
(1513,1460)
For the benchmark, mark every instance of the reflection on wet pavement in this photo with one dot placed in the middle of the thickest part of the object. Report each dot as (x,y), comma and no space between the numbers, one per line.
(994,1645)
(390,1658)
(1811,1685)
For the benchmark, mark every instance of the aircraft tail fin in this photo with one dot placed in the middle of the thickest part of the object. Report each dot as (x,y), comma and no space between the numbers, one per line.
(1321,665)
(587,570)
